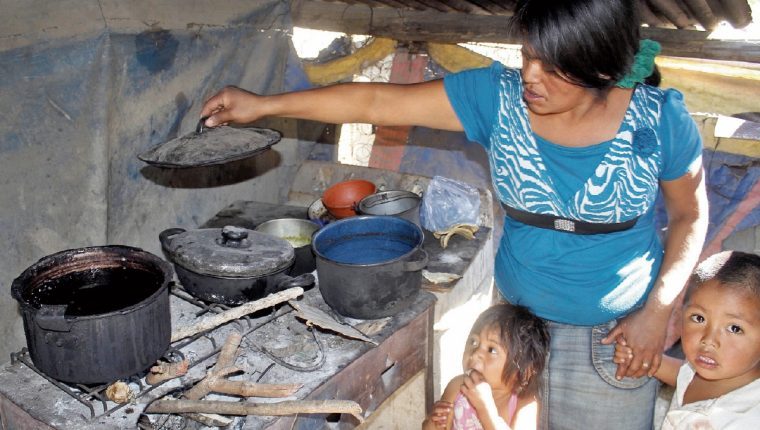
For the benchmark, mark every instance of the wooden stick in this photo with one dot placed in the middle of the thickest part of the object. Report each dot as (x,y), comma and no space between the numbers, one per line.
(226,359)
(253,389)
(164,371)
(215,378)
(214,381)
(235,313)
(247,408)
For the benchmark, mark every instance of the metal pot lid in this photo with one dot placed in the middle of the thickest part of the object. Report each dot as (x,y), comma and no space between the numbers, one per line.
(211,146)
(233,252)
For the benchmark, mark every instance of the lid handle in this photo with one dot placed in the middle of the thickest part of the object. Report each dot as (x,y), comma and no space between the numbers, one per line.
(201,127)
(234,237)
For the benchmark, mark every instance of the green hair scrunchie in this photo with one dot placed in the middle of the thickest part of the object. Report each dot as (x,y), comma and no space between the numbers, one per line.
(643,64)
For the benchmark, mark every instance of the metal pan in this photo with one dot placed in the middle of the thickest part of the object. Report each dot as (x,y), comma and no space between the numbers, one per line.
(211,146)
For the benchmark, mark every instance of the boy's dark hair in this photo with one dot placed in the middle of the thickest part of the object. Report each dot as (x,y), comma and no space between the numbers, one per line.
(593,42)
(730,268)
(526,339)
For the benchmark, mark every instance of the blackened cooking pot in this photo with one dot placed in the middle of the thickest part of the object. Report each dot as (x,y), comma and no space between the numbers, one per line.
(369,266)
(231,265)
(95,315)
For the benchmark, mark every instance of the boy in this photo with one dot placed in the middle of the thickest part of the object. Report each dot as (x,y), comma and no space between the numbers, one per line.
(717,387)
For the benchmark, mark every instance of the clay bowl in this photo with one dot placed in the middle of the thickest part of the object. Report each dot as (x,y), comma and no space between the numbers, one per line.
(341,198)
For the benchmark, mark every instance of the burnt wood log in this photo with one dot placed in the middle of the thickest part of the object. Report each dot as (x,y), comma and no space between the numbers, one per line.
(225,365)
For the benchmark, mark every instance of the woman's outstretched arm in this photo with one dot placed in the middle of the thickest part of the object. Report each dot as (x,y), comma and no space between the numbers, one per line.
(423,104)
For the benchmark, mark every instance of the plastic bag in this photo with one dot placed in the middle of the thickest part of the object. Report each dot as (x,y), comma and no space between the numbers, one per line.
(448,202)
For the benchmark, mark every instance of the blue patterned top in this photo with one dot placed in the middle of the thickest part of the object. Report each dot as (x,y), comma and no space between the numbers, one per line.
(576,279)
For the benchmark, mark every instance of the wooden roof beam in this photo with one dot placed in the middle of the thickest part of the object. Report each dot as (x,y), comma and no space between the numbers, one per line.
(702,13)
(451,27)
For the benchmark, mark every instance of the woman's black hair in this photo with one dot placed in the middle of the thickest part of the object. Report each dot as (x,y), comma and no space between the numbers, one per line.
(592,42)
(526,338)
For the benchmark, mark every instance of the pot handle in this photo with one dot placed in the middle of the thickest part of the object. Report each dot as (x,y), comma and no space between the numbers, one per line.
(305,280)
(416,265)
(51,317)
(165,237)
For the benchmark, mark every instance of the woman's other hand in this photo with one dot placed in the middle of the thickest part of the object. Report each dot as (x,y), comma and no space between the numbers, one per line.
(232,105)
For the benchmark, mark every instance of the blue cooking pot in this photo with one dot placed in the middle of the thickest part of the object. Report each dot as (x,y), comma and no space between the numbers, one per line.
(369,267)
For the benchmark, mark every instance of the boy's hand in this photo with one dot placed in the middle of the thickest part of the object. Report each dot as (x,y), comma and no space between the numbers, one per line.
(623,353)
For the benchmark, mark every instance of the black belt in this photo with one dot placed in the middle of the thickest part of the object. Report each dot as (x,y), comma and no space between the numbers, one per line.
(567,225)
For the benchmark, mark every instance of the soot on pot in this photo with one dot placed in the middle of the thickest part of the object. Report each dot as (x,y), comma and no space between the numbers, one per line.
(96,291)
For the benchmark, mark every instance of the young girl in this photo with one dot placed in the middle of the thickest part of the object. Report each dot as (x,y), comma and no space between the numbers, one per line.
(503,361)
(718,387)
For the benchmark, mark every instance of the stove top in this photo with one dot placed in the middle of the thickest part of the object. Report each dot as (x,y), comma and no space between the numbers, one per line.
(276,348)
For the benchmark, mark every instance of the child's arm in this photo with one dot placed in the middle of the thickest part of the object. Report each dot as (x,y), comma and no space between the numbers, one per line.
(442,416)
(526,416)
(667,372)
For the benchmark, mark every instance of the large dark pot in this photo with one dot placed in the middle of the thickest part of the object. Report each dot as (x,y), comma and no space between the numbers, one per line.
(369,266)
(95,315)
(231,265)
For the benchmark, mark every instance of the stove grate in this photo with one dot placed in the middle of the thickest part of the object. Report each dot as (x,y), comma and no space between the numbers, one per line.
(90,396)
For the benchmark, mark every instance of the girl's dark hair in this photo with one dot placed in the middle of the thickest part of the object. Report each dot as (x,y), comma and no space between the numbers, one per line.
(734,269)
(526,339)
(592,42)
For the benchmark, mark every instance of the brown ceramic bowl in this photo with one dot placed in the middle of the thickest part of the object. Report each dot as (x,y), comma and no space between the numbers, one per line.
(341,199)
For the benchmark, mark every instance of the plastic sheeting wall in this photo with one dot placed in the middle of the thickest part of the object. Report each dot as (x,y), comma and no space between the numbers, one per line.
(86,85)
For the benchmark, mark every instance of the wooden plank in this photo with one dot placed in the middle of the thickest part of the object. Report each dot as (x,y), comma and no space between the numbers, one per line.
(431,26)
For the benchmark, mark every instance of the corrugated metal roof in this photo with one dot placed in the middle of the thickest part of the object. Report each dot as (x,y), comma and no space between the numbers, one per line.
(687,14)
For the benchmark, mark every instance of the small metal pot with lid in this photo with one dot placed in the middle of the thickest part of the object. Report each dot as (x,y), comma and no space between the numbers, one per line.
(231,265)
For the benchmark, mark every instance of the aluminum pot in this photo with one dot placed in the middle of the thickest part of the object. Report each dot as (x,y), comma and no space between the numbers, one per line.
(369,266)
(400,203)
(298,233)
(95,315)
(231,265)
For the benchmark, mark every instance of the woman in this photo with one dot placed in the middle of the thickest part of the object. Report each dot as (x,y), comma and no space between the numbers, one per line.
(579,150)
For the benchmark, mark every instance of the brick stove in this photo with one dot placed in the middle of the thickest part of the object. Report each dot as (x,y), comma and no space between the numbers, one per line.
(276,348)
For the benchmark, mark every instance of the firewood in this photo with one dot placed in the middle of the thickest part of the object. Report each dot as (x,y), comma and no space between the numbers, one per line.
(215,380)
(290,407)
(235,313)
(164,371)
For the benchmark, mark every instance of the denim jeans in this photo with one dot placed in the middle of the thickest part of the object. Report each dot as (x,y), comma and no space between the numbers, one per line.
(580,391)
